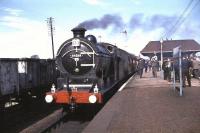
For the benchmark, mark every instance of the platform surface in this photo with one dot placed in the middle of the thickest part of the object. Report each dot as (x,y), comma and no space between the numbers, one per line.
(150,105)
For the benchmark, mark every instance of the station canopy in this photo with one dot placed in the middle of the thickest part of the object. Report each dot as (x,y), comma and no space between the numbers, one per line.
(188,47)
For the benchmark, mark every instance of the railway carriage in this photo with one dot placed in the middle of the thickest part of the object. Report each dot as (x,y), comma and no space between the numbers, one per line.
(22,78)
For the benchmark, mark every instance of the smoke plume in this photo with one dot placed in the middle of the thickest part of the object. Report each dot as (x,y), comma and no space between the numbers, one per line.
(103,23)
(147,23)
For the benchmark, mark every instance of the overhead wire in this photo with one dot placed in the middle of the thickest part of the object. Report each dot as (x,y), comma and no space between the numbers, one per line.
(168,33)
(181,22)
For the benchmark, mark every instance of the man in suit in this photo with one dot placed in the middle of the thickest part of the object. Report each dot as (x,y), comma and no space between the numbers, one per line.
(186,66)
(154,63)
(141,64)
(167,68)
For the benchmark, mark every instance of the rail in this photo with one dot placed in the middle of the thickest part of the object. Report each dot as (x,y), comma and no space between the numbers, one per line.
(45,123)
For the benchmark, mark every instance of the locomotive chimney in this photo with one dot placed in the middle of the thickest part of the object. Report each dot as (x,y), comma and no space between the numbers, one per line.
(79,32)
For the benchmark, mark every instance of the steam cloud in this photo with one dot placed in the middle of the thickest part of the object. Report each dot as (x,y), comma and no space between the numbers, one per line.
(136,21)
(147,24)
(102,23)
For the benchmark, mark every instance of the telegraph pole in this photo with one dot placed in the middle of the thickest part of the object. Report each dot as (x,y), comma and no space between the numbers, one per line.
(51,28)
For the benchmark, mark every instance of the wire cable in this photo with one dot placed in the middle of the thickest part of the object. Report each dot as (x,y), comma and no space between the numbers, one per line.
(167,34)
(181,22)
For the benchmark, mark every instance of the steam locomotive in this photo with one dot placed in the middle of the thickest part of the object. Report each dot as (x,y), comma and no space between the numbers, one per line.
(88,70)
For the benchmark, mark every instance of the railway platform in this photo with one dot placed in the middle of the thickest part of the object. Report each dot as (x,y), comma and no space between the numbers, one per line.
(150,105)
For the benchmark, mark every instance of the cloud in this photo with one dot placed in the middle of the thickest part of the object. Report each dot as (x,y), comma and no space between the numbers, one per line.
(188,30)
(140,30)
(30,38)
(139,39)
(19,23)
(13,12)
(93,2)
(134,41)
(136,2)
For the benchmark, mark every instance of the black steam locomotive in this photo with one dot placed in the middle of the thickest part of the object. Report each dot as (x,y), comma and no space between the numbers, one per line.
(88,70)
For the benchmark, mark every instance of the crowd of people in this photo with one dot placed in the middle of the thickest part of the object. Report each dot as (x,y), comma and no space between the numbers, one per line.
(148,65)
(190,68)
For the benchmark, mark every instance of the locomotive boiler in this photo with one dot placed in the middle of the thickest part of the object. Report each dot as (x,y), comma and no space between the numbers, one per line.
(88,70)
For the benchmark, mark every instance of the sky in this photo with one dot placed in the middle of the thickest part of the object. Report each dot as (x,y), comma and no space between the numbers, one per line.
(24,30)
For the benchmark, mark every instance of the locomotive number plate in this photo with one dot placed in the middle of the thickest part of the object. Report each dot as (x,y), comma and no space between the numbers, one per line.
(75,42)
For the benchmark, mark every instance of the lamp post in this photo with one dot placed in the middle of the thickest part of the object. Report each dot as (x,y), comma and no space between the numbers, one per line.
(161,56)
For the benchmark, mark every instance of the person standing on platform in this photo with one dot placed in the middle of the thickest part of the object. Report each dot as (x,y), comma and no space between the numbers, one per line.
(164,67)
(176,69)
(186,66)
(146,65)
(196,67)
(154,64)
(167,68)
(149,65)
(141,64)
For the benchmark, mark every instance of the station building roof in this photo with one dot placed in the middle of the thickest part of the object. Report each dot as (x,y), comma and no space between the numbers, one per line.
(187,46)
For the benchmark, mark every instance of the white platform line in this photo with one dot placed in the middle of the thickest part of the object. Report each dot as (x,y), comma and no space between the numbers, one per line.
(122,87)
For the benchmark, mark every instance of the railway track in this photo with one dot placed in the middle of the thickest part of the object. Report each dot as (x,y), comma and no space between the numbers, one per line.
(19,117)
(47,118)
(73,122)
(46,122)
(60,121)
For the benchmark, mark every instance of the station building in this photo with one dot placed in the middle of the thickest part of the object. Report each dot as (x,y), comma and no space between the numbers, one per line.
(188,47)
